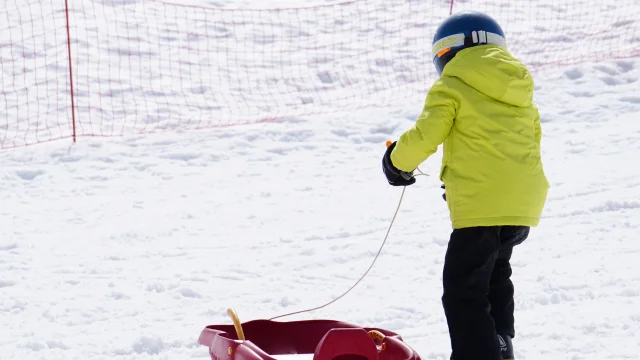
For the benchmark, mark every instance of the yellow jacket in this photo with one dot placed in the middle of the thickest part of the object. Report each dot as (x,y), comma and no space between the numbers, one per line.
(482,109)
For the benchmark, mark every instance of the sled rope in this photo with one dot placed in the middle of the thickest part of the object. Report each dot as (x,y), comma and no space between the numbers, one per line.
(386,236)
(237,325)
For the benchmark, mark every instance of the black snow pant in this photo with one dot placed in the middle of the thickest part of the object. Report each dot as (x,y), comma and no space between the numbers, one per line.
(478,292)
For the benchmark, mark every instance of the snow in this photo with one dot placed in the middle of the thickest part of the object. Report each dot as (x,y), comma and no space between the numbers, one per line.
(127,247)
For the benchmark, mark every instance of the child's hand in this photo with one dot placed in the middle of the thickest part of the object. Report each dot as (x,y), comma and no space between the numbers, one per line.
(395,177)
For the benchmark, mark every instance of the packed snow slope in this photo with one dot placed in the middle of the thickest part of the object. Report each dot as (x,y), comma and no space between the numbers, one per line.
(126,248)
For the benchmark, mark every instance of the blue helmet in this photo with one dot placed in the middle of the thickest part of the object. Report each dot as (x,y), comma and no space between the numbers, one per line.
(463,30)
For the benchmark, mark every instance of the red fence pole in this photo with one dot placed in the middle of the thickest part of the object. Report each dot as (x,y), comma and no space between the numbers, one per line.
(73,105)
(451,8)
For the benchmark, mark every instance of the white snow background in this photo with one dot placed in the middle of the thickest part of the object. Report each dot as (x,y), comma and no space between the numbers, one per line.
(126,248)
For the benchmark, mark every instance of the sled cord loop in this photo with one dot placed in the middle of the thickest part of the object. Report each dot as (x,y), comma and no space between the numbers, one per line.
(386,236)
(363,275)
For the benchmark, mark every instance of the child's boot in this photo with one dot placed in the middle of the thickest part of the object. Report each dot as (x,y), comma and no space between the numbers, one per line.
(506,347)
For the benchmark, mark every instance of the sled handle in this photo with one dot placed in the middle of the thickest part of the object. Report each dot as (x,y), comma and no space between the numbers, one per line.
(236,323)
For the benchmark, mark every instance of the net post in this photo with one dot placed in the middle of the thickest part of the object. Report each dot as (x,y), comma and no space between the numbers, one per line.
(73,106)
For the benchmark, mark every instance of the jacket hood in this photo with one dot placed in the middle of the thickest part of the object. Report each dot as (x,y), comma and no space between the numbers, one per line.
(494,72)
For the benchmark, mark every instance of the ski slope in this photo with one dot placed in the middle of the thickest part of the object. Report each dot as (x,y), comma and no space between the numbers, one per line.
(125,248)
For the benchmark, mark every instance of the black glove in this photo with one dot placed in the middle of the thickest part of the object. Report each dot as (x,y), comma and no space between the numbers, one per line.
(395,176)
(444,194)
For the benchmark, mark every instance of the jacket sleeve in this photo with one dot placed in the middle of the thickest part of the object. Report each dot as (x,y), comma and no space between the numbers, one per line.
(430,130)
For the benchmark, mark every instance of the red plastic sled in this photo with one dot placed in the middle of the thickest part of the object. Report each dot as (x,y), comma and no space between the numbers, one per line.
(325,339)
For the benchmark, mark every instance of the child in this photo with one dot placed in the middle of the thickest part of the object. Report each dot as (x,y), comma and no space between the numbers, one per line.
(481,109)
